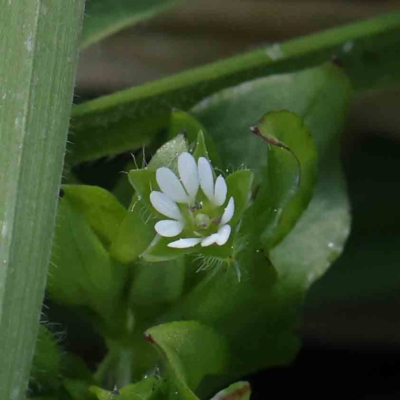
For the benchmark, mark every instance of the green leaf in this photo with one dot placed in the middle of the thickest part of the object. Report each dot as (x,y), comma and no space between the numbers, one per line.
(46,365)
(78,389)
(123,190)
(132,118)
(102,211)
(102,394)
(82,272)
(236,391)
(239,186)
(106,17)
(288,179)
(183,123)
(150,388)
(135,233)
(238,311)
(156,283)
(37,69)
(179,344)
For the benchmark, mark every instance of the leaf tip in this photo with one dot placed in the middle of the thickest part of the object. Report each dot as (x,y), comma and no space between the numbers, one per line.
(149,338)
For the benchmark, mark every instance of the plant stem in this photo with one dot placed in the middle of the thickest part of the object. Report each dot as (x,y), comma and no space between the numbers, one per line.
(39,40)
(132,118)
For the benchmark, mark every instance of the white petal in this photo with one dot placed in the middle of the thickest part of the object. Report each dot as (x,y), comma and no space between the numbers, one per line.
(220,191)
(209,240)
(170,185)
(228,212)
(223,234)
(164,205)
(184,243)
(169,228)
(188,172)
(206,178)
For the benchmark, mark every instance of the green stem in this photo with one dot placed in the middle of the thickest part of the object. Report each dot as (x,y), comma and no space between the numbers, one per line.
(39,40)
(131,118)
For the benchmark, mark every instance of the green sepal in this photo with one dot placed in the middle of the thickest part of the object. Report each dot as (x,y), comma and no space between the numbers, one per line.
(215,255)
(158,250)
(200,149)
(167,155)
(195,133)
(144,182)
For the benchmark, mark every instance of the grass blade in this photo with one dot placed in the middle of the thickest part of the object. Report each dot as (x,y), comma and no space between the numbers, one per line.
(39,41)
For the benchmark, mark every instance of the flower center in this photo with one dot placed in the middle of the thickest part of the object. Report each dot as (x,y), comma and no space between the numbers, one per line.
(202,221)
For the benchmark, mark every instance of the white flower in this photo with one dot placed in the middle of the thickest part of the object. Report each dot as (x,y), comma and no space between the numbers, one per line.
(193,211)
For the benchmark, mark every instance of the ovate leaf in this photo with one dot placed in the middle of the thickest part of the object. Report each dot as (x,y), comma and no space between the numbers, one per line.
(46,366)
(158,283)
(101,209)
(239,186)
(289,178)
(179,344)
(82,273)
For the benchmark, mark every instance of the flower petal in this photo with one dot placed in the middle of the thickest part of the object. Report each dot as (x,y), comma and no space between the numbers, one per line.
(223,234)
(220,191)
(187,168)
(164,205)
(206,178)
(184,243)
(170,185)
(228,212)
(209,240)
(169,228)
